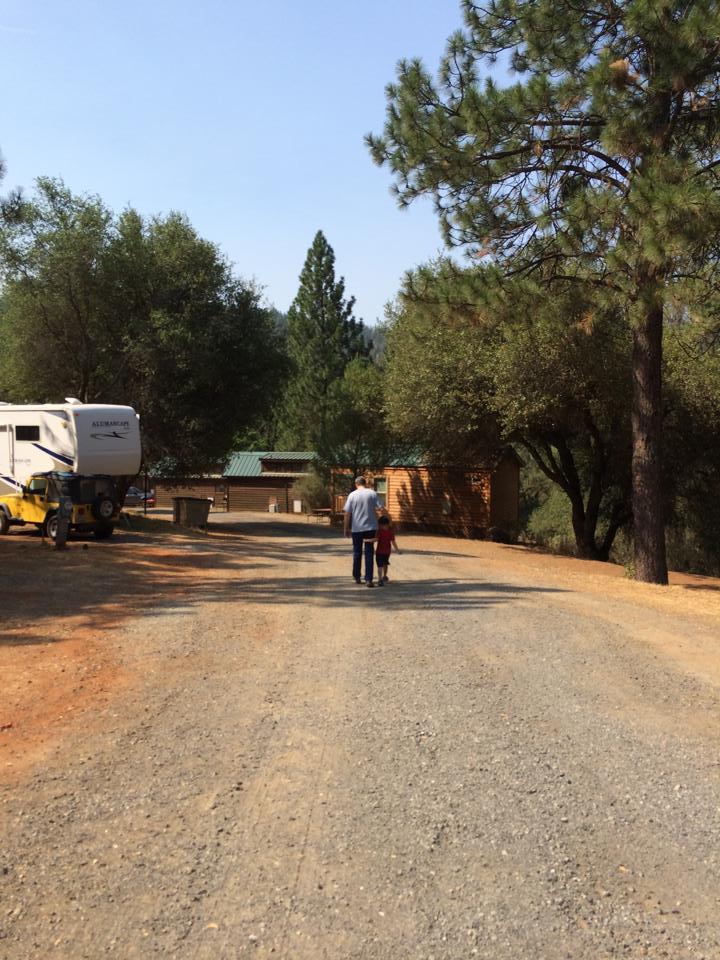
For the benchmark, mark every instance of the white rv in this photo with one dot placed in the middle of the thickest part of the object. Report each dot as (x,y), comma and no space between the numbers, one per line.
(73,437)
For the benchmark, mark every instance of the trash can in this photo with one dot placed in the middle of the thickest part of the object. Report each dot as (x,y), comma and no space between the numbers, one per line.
(191,511)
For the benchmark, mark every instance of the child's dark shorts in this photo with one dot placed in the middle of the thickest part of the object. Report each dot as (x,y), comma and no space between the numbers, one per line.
(382,559)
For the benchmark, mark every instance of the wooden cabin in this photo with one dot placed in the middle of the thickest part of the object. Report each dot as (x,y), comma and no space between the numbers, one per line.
(481,501)
(257,480)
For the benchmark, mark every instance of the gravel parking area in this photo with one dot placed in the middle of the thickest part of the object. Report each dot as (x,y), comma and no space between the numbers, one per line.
(219,746)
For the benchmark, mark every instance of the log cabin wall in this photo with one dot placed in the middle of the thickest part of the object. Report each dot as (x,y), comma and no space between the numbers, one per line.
(455,501)
(257,493)
(251,493)
(165,490)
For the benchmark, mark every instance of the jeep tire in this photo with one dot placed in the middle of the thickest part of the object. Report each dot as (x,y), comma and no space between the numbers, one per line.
(103,508)
(4,523)
(50,527)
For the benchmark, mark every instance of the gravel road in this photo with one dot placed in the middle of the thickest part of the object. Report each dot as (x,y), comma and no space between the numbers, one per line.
(490,757)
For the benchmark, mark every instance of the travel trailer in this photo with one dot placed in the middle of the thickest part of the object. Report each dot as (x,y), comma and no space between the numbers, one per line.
(81,438)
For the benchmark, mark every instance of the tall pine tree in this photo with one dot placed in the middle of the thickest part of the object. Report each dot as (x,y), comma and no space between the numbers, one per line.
(601,165)
(323,337)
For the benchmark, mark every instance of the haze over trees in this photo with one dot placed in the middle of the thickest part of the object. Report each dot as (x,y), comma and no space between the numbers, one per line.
(599,167)
(132,310)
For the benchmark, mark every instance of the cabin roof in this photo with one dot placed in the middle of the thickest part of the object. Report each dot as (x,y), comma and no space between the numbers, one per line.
(249,463)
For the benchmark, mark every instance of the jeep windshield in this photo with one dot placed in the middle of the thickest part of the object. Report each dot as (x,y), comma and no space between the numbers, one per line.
(81,489)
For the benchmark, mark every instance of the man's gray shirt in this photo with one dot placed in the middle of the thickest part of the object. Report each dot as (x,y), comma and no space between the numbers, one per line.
(361,505)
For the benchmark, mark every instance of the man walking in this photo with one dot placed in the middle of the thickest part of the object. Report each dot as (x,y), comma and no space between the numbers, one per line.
(361,520)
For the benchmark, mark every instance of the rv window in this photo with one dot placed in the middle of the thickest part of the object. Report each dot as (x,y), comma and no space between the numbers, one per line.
(27,433)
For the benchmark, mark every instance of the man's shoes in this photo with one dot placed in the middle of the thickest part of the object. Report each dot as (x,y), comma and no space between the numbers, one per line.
(369,583)
(380,583)
(358,580)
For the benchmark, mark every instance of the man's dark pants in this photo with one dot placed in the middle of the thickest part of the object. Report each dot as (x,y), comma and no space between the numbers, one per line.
(369,548)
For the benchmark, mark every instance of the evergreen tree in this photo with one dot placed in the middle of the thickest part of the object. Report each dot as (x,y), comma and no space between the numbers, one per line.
(601,163)
(323,337)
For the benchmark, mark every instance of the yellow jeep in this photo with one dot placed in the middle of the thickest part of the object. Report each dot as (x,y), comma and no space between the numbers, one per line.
(92,503)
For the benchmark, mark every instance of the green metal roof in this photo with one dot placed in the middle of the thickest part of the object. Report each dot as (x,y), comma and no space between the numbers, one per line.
(289,455)
(247,463)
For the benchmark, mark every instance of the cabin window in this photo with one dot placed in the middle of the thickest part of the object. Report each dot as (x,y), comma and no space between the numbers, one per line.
(381,490)
(31,434)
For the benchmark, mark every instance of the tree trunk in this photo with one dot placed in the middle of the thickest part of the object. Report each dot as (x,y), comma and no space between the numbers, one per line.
(647,493)
(584,531)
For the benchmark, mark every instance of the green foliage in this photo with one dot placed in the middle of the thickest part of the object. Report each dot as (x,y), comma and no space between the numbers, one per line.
(475,360)
(600,165)
(10,203)
(692,360)
(313,489)
(545,515)
(142,312)
(323,337)
(358,436)
(609,133)
(692,465)
(439,384)
(59,336)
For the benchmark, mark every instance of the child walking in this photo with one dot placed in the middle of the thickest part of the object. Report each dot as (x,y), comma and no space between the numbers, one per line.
(385,543)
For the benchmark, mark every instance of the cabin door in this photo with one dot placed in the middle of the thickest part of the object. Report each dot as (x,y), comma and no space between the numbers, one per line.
(220,499)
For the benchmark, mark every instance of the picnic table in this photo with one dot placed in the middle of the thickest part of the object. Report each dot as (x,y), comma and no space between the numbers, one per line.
(320,513)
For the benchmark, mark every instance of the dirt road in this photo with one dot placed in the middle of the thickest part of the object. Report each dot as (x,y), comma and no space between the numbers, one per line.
(222,747)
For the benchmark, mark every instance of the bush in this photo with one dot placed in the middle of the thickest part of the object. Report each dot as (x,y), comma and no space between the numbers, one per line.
(545,518)
(313,490)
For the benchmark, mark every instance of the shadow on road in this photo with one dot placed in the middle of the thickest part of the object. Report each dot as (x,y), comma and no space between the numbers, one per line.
(99,585)
(416,594)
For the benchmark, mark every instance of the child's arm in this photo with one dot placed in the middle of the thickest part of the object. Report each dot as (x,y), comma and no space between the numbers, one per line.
(394,543)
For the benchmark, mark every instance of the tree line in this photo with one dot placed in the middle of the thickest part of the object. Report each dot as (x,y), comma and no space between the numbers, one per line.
(125,309)
(129,309)
(581,327)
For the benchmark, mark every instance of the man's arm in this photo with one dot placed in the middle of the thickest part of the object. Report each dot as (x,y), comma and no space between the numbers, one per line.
(347,510)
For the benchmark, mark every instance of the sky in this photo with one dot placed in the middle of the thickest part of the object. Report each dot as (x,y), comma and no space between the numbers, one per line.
(247,116)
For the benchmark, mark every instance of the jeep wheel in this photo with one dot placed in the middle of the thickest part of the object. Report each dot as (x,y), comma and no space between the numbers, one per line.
(103,509)
(103,532)
(4,523)
(50,529)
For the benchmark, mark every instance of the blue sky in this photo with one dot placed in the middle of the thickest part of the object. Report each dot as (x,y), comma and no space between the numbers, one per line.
(249,117)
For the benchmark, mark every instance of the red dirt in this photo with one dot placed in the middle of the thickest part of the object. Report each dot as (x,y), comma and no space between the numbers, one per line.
(56,668)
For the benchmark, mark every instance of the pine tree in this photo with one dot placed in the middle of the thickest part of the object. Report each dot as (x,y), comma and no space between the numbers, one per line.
(323,337)
(601,165)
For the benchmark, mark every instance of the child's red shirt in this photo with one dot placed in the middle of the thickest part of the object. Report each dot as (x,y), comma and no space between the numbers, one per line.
(384,541)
